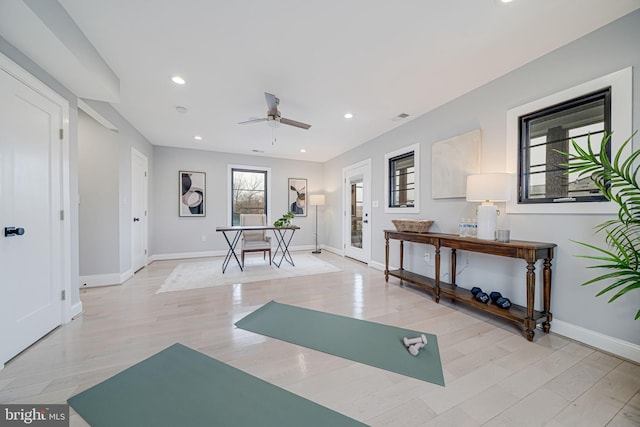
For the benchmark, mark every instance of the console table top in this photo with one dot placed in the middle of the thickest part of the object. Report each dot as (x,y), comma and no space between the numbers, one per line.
(410,236)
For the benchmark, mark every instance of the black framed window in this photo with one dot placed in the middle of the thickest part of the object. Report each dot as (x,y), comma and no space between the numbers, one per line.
(402,180)
(546,134)
(248,193)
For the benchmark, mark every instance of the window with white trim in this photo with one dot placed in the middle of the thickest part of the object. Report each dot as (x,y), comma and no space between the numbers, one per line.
(621,86)
(402,171)
(249,191)
(548,133)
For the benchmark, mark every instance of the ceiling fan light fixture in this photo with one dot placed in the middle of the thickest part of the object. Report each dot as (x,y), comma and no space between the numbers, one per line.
(273,122)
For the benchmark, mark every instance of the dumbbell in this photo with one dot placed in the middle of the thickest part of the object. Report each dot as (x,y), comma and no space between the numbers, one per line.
(499,300)
(479,295)
(422,339)
(415,348)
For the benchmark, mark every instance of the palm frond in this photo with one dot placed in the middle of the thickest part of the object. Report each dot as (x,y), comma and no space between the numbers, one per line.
(617,179)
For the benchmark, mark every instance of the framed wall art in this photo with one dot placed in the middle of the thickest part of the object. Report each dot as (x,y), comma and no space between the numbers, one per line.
(452,160)
(298,196)
(192,198)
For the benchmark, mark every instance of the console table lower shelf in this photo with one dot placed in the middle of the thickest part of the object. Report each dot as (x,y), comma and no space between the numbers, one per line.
(530,252)
(516,312)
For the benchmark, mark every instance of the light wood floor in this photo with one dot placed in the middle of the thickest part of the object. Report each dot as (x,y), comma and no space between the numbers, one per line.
(494,377)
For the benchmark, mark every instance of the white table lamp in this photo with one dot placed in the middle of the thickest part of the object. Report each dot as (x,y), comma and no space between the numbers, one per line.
(488,188)
(316,200)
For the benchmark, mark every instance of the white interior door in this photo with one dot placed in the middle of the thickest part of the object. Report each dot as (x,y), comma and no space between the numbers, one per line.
(30,201)
(357,209)
(139,176)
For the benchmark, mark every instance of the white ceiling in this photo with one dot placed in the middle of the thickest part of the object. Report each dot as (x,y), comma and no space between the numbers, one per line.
(373,58)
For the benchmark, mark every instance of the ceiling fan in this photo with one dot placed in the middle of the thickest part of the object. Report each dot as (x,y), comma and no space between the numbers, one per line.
(273,114)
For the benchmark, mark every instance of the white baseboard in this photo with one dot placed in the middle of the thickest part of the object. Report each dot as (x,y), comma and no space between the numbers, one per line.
(76,310)
(603,342)
(185,255)
(333,250)
(377,265)
(99,280)
(109,279)
(206,254)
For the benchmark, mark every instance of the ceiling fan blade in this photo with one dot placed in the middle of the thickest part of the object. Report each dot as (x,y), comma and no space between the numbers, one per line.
(272,102)
(294,123)
(253,121)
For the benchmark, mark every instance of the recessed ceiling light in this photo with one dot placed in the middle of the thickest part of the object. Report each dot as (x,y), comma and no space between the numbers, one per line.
(182,110)
(302,150)
(197,138)
(178,80)
(348,115)
(506,1)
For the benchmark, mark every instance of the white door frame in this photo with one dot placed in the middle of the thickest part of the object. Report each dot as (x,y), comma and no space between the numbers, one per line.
(346,225)
(69,309)
(145,206)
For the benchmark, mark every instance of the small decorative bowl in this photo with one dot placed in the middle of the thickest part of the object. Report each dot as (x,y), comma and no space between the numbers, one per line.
(412,225)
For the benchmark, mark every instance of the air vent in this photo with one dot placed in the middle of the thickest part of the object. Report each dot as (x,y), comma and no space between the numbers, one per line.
(399,117)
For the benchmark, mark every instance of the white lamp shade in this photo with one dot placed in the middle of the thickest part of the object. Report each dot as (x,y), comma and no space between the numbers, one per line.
(495,187)
(316,199)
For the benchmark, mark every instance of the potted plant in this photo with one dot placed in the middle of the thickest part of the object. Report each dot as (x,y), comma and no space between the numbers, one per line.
(617,179)
(284,220)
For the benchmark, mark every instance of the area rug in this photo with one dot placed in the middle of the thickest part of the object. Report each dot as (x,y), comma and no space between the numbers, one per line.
(182,387)
(373,344)
(204,274)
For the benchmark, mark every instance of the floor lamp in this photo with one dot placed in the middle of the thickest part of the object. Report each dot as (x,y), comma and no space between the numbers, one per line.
(316,200)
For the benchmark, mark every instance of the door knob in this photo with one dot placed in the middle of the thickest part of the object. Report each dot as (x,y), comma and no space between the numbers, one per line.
(136,219)
(13,231)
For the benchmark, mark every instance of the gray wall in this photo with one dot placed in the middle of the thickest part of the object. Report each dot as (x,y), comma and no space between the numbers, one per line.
(127,137)
(173,235)
(609,49)
(98,177)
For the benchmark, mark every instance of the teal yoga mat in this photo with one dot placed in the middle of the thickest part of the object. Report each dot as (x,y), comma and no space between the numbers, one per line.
(182,387)
(366,342)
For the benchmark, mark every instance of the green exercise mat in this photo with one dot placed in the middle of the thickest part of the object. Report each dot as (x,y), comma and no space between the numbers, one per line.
(366,342)
(182,387)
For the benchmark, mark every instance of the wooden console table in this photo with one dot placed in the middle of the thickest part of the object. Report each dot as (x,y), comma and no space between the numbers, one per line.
(528,251)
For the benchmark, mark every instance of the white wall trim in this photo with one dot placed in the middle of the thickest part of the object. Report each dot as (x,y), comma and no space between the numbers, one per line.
(76,310)
(376,265)
(34,83)
(333,250)
(600,341)
(108,279)
(100,280)
(126,275)
(218,253)
(95,115)
(621,83)
(230,168)
(416,167)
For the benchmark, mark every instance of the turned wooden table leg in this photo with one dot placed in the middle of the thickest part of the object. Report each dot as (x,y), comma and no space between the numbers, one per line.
(437,278)
(453,266)
(546,297)
(529,321)
(386,257)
